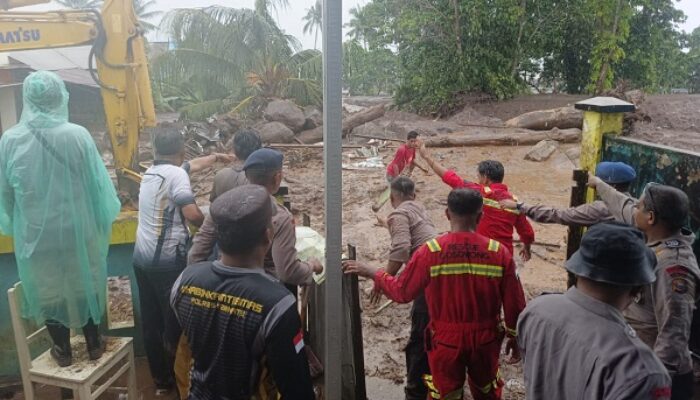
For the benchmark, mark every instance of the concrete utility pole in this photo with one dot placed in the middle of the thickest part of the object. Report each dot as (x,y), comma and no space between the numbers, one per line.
(332,155)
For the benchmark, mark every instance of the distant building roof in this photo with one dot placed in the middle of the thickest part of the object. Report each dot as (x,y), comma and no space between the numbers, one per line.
(70,63)
(54,59)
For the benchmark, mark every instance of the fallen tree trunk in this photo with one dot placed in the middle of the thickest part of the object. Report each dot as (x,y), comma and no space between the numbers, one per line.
(562,118)
(352,121)
(561,135)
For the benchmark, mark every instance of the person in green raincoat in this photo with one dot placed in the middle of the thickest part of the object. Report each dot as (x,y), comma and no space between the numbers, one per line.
(58,203)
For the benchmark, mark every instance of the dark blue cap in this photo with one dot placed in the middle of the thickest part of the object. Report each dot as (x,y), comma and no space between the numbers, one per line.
(615,172)
(614,253)
(266,159)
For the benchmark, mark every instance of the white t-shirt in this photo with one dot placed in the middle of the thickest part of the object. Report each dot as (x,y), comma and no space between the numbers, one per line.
(162,236)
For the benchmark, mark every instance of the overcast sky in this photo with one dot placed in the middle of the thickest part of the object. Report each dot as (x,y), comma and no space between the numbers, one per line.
(290,19)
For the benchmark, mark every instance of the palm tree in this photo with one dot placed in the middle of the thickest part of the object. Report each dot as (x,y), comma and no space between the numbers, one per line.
(143,13)
(313,20)
(263,7)
(228,58)
(80,4)
(358,25)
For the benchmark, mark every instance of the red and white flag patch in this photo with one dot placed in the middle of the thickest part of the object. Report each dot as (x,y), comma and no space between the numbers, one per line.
(298,341)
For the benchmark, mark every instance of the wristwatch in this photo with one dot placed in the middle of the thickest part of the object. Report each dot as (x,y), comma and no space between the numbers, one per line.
(519,205)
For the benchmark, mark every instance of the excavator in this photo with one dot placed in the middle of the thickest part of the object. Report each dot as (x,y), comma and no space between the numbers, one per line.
(118,64)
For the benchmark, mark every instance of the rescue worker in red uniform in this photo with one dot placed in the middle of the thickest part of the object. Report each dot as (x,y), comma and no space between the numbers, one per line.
(467,279)
(498,222)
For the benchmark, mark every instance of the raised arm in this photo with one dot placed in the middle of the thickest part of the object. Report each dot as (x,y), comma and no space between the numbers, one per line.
(434,165)
(619,204)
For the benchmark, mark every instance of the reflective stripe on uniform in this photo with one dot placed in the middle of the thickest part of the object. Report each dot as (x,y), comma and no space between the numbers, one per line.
(495,204)
(493,245)
(492,385)
(466,268)
(434,246)
(432,390)
(511,332)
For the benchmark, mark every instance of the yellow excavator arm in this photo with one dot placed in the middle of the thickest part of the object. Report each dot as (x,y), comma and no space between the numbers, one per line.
(121,66)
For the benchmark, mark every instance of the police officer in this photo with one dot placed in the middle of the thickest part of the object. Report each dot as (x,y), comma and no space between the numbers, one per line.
(663,314)
(410,227)
(616,174)
(264,167)
(468,278)
(577,344)
(241,324)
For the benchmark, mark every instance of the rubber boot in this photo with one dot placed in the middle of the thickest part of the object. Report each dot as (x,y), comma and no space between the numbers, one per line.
(60,335)
(95,343)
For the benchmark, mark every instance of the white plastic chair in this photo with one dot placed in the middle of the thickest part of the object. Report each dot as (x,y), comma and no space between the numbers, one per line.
(82,376)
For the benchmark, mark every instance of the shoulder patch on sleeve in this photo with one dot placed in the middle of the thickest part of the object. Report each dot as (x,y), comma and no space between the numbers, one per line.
(677,271)
(494,245)
(673,243)
(679,285)
(660,393)
(433,245)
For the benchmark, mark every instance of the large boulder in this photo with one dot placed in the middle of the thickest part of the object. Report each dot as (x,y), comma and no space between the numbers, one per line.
(286,112)
(314,118)
(562,118)
(574,154)
(275,132)
(542,150)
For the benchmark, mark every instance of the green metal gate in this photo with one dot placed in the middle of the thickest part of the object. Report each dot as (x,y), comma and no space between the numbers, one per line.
(661,164)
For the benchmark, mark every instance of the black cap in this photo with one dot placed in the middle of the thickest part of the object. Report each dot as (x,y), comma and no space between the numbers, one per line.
(247,207)
(266,159)
(614,253)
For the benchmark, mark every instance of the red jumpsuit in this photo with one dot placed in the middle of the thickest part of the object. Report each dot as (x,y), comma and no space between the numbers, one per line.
(497,222)
(467,278)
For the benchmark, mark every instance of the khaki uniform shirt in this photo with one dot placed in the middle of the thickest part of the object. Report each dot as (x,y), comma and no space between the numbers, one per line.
(663,314)
(576,347)
(583,215)
(227,179)
(409,227)
(281,261)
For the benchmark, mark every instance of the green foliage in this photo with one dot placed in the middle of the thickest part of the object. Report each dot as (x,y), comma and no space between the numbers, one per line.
(444,48)
(312,20)
(143,11)
(368,72)
(223,56)
(142,8)
(694,61)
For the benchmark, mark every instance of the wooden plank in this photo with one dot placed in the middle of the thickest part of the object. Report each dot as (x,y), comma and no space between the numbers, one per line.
(578,197)
(356,383)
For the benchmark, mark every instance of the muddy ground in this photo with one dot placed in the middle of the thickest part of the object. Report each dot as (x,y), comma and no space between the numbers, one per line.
(675,121)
